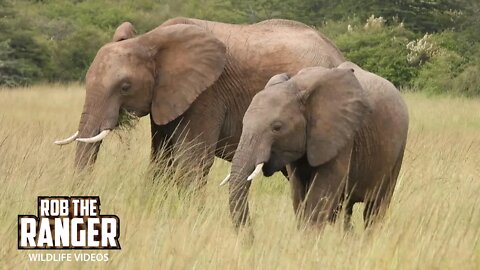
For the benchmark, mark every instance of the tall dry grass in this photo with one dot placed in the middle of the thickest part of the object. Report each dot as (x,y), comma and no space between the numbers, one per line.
(433,221)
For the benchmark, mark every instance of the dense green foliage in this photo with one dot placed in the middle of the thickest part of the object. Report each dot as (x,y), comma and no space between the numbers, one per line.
(55,40)
(379,49)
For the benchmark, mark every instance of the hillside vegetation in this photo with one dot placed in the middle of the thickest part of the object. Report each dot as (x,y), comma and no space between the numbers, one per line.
(431,46)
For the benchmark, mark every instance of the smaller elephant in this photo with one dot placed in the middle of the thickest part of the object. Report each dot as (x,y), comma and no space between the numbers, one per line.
(341,132)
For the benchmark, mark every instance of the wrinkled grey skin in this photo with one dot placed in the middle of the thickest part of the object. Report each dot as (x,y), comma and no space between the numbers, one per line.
(195,79)
(341,132)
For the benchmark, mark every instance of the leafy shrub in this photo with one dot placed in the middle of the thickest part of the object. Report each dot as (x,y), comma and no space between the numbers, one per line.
(379,49)
(375,23)
(23,60)
(436,76)
(467,83)
(73,55)
(448,73)
(12,72)
(421,50)
(455,69)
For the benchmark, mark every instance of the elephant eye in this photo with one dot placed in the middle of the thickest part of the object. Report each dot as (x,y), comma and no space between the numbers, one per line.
(125,87)
(276,126)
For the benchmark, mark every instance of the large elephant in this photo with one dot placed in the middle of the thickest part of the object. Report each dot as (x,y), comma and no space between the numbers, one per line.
(192,76)
(341,131)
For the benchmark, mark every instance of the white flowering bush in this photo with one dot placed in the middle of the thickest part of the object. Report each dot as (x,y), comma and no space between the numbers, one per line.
(375,23)
(421,50)
(350,28)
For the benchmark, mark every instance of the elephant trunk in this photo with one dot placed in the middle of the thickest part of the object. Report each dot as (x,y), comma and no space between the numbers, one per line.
(92,129)
(86,153)
(249,154)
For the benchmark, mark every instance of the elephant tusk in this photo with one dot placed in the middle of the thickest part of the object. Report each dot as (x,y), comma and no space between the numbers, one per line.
(67,140)
(95,139)
(227,178)
(257,170)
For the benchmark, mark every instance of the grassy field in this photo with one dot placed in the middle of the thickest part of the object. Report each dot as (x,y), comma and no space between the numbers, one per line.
(433,221)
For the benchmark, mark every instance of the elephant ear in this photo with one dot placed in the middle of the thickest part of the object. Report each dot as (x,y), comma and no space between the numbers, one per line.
(279,78)
(124,31)
(187,61)
(335,105)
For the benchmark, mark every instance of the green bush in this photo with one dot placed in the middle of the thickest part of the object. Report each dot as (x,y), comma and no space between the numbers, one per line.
(13,72)
(23,60)
(448,73)
(455,69)
(467,83)
(436,76)
(73,55)
(381,50)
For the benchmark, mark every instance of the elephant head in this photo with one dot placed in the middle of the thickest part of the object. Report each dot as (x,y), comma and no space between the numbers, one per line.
(159,73)
(314,114)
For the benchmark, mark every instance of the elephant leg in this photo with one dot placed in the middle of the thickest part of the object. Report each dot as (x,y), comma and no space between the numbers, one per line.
(299,173)
(207,158)
(326,188)
(193,158)
(373,211)
(285,172)
(377,202)
(185,148)
(161,155)
(161,142)
(195,144)
(347,222)
(376,208)
(345,204)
